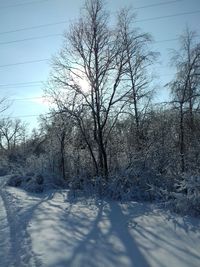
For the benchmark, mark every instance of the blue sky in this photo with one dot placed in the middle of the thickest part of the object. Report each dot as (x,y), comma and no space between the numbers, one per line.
(18,14)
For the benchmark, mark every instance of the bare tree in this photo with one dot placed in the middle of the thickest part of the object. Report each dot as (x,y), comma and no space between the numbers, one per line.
(138,60)
(90,68)
(12,133)
(186,86)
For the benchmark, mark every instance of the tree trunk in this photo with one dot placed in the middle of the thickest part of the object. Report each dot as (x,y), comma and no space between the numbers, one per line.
(62,151)
(182,145)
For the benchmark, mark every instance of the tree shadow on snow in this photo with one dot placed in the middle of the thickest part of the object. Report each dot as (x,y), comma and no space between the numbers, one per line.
(107,241)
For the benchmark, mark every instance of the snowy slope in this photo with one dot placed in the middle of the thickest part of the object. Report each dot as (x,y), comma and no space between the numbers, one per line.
(46,230)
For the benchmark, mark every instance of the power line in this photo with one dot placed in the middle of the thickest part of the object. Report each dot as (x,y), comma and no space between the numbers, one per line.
(30,39)
(30,62)
(23,63)
(57,34)
(23,4)
(42,1)
(63,22)
(169,16)
(22,83)
(33,61)
(158,4)
(43,60)
(51,35)
(172,39)
(40,82)
(34,27)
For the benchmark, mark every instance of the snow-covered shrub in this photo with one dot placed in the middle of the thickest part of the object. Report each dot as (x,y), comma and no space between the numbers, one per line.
(36,163)
(131,184)
(128,184)
(83,182)
(34,182)
(29,182)
(187,195)
(4,166)
(15,181)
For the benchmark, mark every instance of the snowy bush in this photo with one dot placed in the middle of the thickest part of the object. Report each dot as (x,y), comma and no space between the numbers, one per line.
(83,182)
(34,182)
(187,195)
(129,185)
(30,182)
(36,163)
(4,166)
(184,197)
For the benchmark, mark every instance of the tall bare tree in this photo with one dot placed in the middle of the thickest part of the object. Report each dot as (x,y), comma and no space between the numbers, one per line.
(138,60)
(90,67)
(98,71)
(186,86)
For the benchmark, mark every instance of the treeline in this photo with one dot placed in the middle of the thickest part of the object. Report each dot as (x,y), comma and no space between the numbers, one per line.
(104,130)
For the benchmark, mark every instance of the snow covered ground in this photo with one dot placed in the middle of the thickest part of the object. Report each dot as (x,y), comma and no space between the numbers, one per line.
(49,230)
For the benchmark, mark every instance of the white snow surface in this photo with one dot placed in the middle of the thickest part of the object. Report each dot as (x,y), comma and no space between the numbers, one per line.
(48,230)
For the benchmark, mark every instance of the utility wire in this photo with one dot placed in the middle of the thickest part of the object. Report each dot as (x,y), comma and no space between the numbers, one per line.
(63,22)
(158,4)
(172,39)
(43,60)
(20,87)
(34,27)
(22,83)
(42,97)
(168,16)
(33,61)
(42,1)
(52,35)
(24,4)
(30,39)
(40,83)
(58,34)
(23,63)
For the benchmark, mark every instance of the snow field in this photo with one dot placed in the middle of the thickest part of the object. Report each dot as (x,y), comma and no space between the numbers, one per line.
(49,230)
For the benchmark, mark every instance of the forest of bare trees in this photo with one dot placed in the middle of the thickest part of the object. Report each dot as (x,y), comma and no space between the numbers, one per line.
(104,131)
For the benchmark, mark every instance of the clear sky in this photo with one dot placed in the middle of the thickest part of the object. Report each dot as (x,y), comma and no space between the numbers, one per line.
(22,81)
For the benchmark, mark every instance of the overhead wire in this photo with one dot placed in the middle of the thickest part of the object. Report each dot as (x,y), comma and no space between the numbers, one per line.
(35,27)
(64,21)
(21,83)
(30,38)
(23,4)
(168,16)
(158,4)
(43,1)
(32,83)
(23,62)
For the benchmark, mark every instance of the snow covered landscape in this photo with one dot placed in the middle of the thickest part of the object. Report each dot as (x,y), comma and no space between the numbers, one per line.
(99,133)
(52,230)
